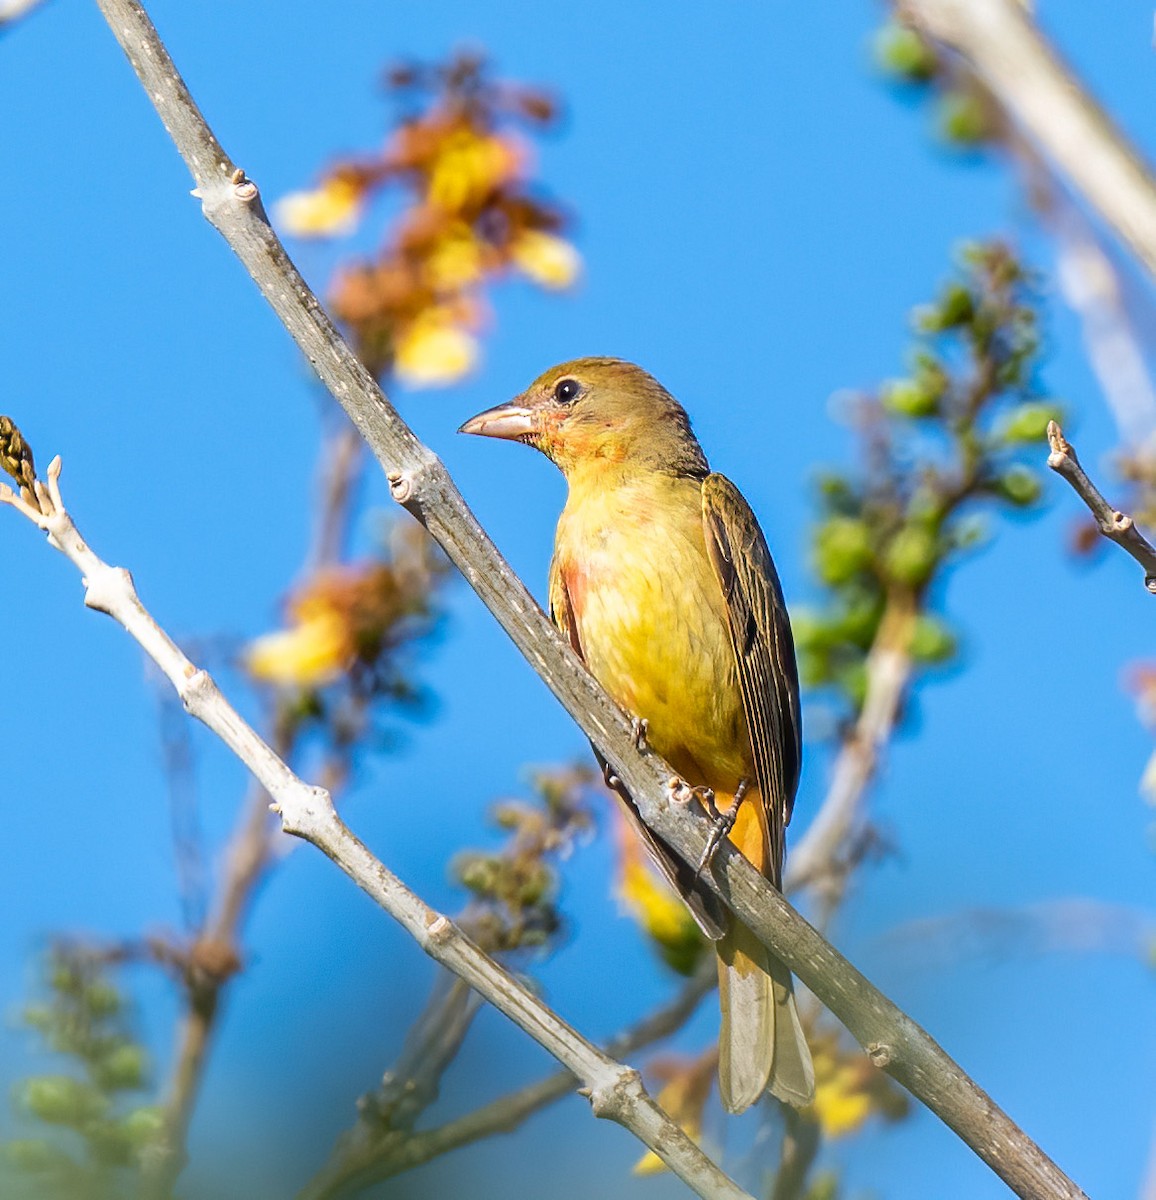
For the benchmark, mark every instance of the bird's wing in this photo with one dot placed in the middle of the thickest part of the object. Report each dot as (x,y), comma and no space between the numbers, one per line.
(708,911)
(764,651)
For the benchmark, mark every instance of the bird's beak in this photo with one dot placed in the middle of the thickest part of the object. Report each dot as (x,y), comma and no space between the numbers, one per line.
(511,421)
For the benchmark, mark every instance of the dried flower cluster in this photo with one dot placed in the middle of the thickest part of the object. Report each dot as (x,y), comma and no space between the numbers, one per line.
(347,623)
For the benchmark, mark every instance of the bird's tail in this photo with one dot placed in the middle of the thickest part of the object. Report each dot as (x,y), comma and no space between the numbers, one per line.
(761,1042)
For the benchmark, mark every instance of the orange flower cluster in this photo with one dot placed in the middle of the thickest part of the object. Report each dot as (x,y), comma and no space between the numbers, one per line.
(344,621)
(471,217)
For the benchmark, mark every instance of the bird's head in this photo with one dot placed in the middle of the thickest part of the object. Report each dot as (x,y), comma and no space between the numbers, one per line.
(595,412)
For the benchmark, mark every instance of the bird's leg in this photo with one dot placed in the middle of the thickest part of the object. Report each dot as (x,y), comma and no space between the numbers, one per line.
(722,824)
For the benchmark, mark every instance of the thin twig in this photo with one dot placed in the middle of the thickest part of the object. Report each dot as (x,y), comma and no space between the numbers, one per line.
(615,1091)
(1116,526)
(1002,44)
(360,1164)
(420,482)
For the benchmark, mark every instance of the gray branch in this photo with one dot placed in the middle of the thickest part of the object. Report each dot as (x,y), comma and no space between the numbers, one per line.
(1116,526)
(1002,45)
(421,483)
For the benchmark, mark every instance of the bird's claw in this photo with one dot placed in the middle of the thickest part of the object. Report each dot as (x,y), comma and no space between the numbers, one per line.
(721,825)
(639,728)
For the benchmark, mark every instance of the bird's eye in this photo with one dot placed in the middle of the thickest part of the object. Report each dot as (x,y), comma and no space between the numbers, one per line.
(566,390)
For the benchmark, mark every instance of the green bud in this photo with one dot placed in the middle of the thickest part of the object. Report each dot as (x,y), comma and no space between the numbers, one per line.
(932,640)
(810,631)
(101,999)
(61,1100)
(912,555)
(909,398)
(143,1125)
(963,119)
(535,886)
(478,872)
(859,621)
(39,1016)
(901,51)
(842,548)
(123,1068)
(836,491)
(34,1154)
(814,668)
(969,532)
(1019,486)
(1028,422)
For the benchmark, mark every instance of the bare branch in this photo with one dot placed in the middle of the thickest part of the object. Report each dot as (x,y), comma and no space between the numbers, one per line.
(615,1091)
(1003,46)
(419,481)
(1116,526)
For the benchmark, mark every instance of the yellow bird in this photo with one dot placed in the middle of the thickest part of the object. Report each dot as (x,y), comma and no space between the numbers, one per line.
(663,583)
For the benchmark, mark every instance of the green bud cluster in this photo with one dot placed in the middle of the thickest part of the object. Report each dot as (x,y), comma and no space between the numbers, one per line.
(943,446)
(96,1135)
(515,888)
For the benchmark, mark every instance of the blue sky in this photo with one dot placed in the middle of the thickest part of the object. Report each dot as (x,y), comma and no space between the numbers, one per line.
(757,213)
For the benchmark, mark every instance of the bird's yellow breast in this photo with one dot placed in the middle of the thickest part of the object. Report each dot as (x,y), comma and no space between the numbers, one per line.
(651,619)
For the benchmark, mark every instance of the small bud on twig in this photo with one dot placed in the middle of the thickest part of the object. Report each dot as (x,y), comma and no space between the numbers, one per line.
(16,460)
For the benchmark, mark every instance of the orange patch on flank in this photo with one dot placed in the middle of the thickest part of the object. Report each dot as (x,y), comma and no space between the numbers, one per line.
(747,832)
(576,580)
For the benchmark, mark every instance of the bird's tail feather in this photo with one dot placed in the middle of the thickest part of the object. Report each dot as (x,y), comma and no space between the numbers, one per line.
(761,1042)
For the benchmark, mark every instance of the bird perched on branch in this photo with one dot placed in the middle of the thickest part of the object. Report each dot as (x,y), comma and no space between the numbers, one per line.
(662,581)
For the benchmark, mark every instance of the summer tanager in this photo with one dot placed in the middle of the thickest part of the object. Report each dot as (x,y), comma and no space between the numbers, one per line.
(662,581)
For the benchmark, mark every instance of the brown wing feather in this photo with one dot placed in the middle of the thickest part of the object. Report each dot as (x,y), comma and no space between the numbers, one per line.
(764,651)
(708,911)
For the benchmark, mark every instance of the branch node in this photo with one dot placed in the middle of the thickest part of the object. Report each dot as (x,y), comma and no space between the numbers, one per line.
(440,929)
(679,791)
(244,189)
(400,485)
(105,587)
(614,1098)
(880,1054)
(196,689)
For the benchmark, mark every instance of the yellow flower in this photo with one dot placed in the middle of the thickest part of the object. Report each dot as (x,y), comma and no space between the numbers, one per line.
(312,652)
(468,167)
(546,258)
(455,261)
(657,909)
(848,1088)
(841,1105)
(329,210)
(433,350)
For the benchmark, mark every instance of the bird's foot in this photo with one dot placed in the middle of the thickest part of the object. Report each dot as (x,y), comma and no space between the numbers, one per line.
(721,824)
(639,728)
